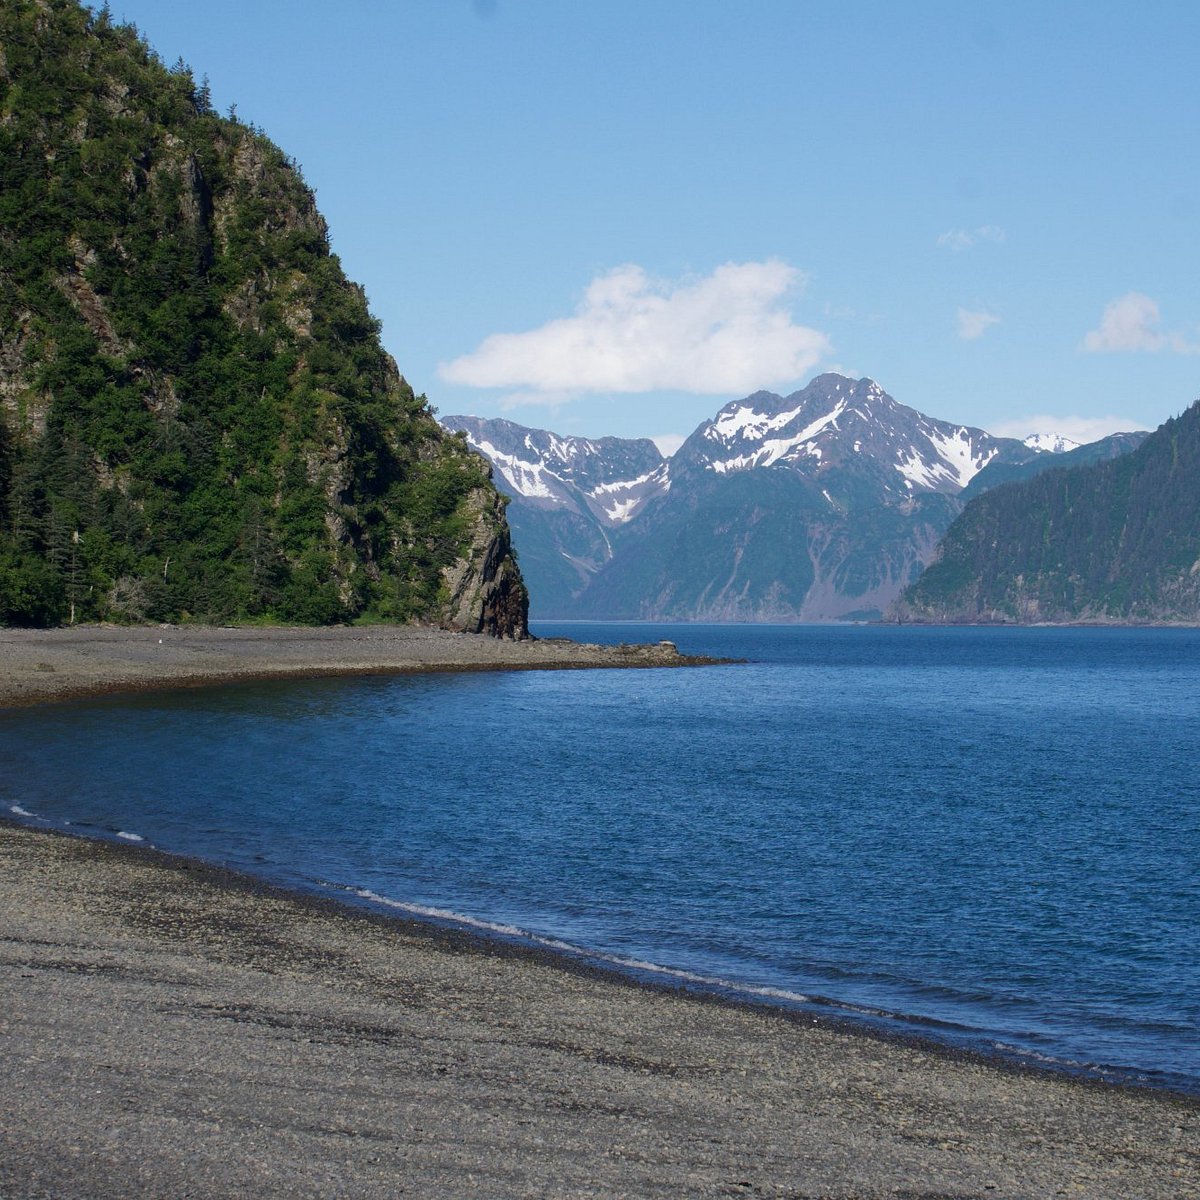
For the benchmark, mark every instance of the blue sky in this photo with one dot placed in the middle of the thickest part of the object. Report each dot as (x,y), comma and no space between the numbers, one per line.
(613,217)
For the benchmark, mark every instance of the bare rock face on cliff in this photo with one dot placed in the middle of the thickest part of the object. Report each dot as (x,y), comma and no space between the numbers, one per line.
(485,588)
(197,418)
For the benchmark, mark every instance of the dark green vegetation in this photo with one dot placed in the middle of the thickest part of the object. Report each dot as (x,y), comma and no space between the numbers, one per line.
(996,473)
(197,418)
(1117,541)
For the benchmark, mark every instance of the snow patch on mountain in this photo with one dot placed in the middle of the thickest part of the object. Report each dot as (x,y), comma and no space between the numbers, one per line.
(961,454)
(918,470)
(820,427)
(953,464)
(623,485)
(525,478)
(1053,443)
(622,499)
(566,450)
(769,453)
(748,425)
(611,478)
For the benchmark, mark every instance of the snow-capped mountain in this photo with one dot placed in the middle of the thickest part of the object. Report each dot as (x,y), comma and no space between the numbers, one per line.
(1054,443)
(612,478)
(838,425)
(820,505)
(570,499)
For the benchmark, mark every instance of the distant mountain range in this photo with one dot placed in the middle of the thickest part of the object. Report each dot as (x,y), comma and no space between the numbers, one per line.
(822,505)
(573,500)
(996,473)
(1113,541)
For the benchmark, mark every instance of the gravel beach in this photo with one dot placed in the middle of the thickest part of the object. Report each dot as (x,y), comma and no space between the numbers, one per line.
(37,665)
(167,1029)
(171,1029)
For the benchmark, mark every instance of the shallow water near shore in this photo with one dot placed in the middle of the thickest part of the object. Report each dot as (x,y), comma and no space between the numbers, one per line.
(989,836)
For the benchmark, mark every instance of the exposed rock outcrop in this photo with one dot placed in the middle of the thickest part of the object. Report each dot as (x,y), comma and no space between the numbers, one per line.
(484,587)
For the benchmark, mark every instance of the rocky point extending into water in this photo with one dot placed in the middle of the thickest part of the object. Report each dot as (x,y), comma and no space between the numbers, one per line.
(54,664)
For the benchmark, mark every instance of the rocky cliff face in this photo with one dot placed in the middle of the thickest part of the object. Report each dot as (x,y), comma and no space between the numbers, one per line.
(484,588)
(197,419)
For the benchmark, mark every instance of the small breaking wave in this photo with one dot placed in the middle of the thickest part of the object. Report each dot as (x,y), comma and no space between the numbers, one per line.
(622,962)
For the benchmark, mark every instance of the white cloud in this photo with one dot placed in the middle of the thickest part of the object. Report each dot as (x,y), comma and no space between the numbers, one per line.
(1131,322)
(956,240)
(1078,429)
(963,239)
(725,333)
(668,443)
(839,312)
(974,324)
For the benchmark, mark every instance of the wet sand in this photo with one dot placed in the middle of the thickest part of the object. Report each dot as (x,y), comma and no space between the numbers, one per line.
(37,665)
(169,1029)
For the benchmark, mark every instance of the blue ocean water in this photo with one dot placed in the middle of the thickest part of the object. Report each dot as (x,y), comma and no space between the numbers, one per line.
(988,836)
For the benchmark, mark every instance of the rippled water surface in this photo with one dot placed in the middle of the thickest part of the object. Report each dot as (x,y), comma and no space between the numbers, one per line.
(988,835)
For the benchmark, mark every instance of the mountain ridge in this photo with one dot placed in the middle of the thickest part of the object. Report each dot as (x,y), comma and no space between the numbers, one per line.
(820,505)
(1114,541)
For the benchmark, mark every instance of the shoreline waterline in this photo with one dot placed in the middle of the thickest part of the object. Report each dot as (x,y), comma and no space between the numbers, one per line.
(937,1038)
(623,828)
(220,995)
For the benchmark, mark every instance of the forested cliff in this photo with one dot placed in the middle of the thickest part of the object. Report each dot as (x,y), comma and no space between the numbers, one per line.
(197,417)
(1117,541)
